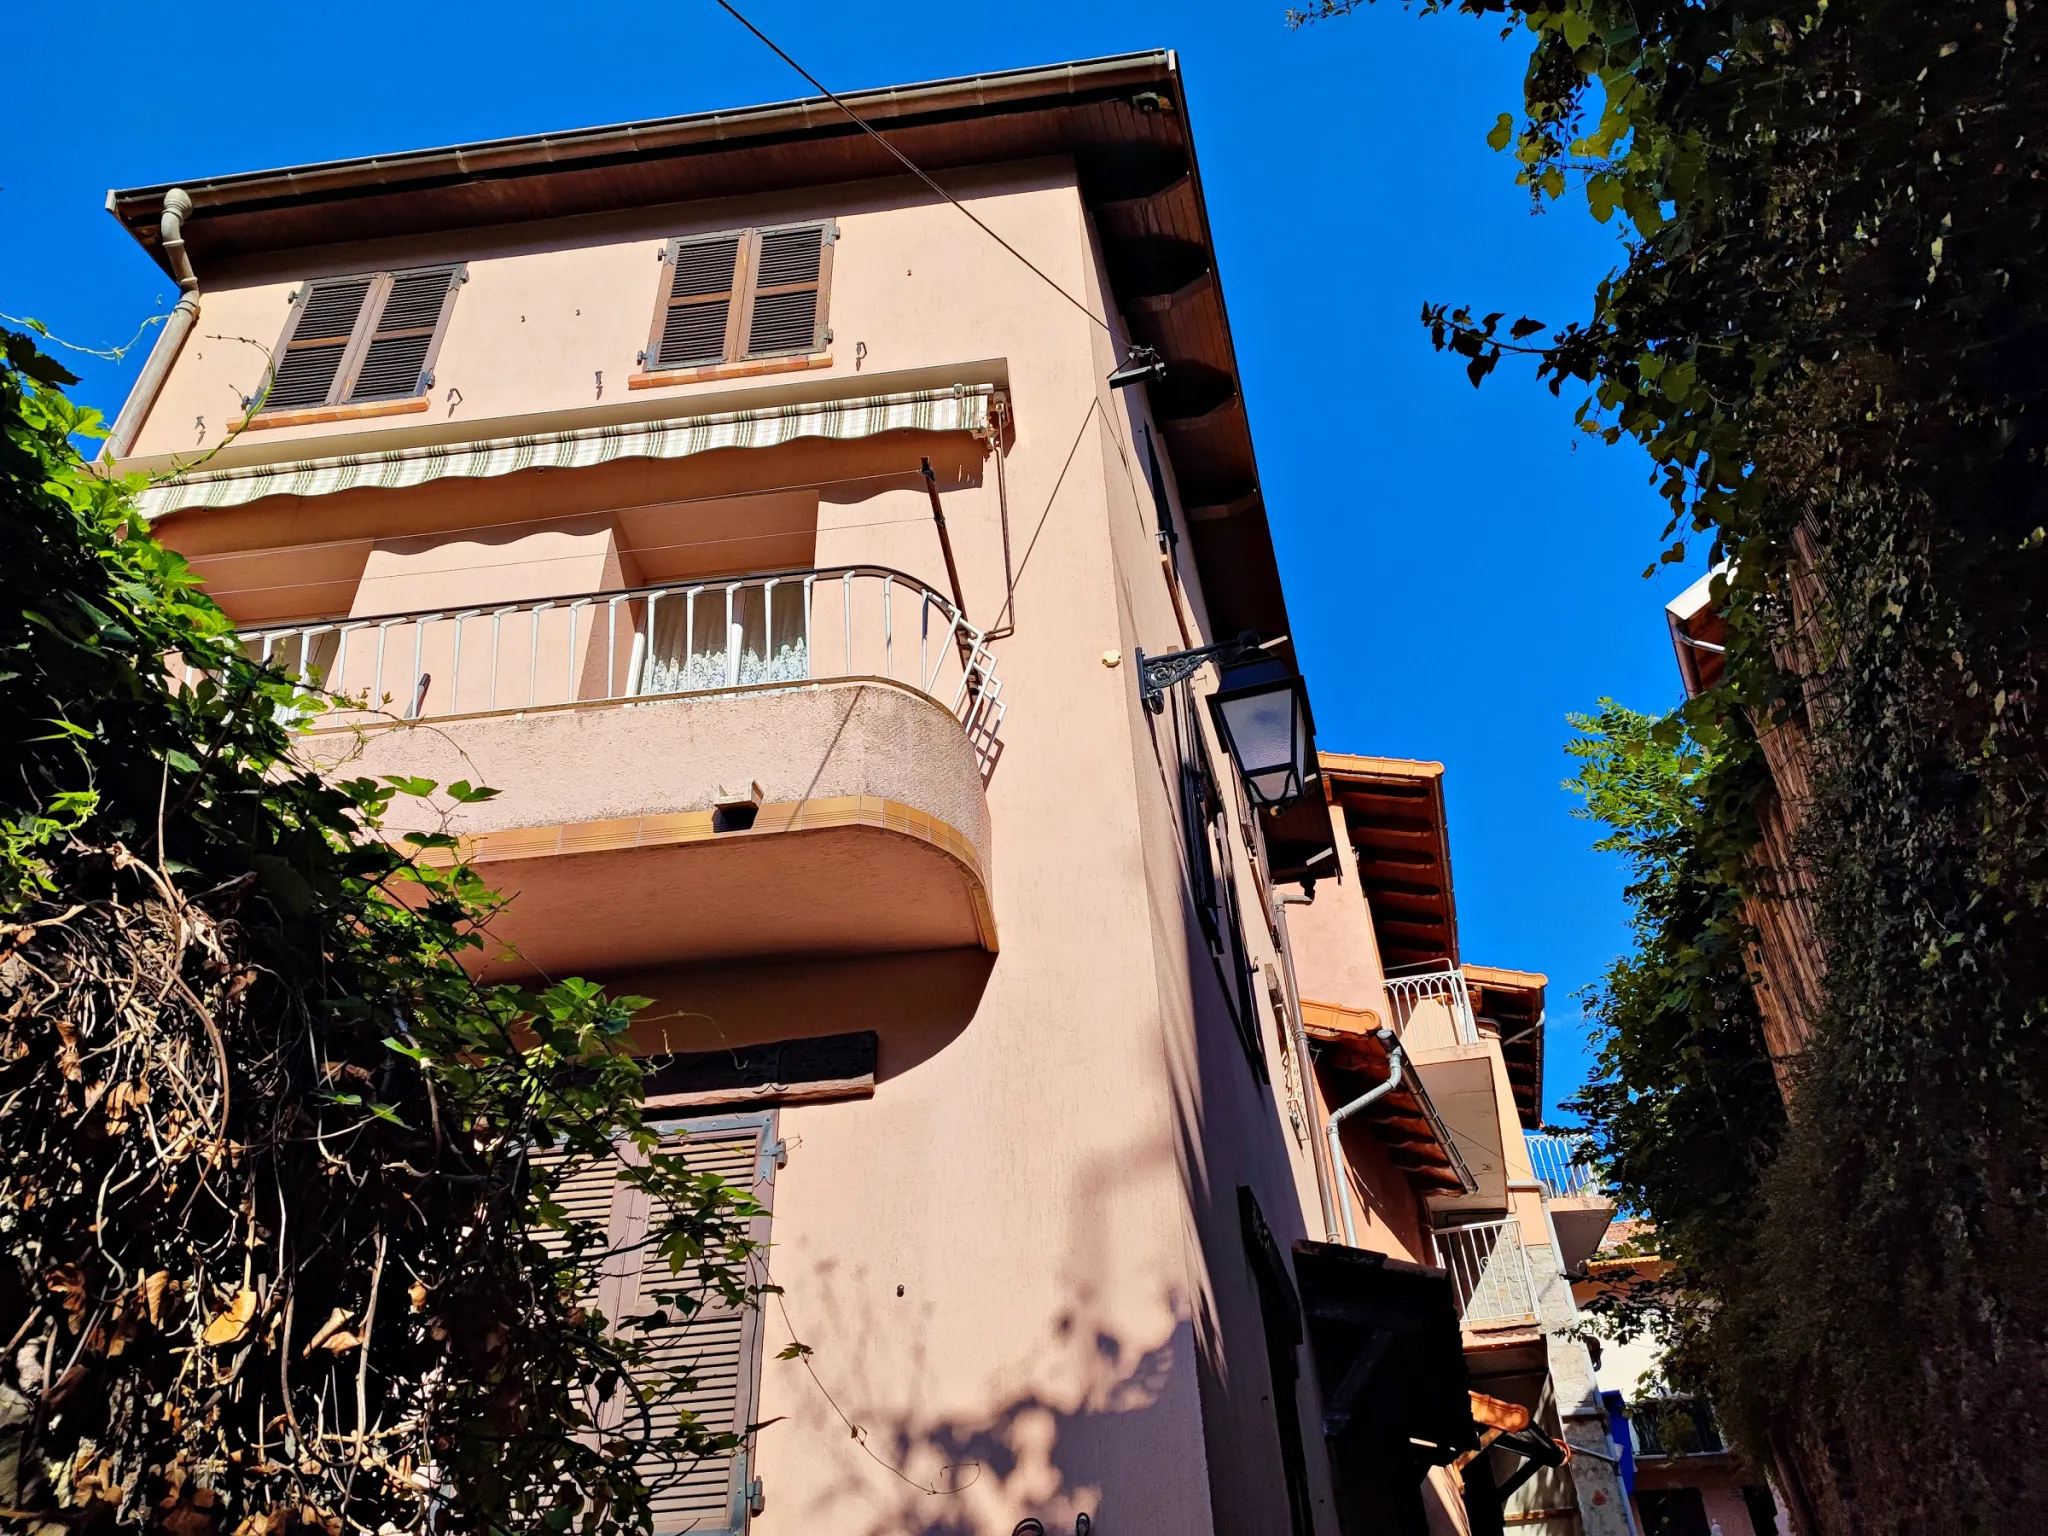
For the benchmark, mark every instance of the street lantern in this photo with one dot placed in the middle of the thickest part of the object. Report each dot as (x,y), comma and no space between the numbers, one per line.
(1261,712)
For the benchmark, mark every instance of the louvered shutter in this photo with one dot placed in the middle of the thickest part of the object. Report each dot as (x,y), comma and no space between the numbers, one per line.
(591,1192)
(310,358)
(788,292)
(408,323)
(718,1347)
(697,314)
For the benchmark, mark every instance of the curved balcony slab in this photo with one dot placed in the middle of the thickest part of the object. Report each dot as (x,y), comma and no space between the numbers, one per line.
(607,838)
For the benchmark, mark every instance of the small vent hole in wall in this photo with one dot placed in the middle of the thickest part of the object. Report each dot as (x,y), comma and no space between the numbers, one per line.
(735,812)
(734,818)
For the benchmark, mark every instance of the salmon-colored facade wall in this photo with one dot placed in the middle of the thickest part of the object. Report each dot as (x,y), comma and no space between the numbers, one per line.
(1019,1264)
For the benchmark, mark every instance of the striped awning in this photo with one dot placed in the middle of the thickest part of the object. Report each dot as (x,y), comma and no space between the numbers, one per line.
(963,408)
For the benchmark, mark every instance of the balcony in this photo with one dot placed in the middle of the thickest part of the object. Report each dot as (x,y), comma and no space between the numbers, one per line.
(1580,1209)
(1489,1274)
(1432,1013)
(1673,1426)
(1432,1009)
(789,764)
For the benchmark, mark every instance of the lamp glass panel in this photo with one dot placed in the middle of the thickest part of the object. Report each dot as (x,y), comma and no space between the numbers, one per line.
(1264,728)
(1273,786)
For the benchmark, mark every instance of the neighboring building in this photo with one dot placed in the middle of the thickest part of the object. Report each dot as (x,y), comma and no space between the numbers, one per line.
(779,546)
(1444,1168)
(1786,960)
(1788,969)
(1685,1481)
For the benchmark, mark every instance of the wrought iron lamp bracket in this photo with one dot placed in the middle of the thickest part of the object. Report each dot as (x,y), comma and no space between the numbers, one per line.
(1156,674)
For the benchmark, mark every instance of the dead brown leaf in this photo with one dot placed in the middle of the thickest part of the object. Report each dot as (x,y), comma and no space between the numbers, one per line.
(324,1332)
(234,1322)
(153,1296)
(68,1281)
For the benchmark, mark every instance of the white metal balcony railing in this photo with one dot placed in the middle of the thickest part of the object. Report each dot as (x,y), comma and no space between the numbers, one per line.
(1432,1008)
(1557,1167)
(789,628)
(1489,1272)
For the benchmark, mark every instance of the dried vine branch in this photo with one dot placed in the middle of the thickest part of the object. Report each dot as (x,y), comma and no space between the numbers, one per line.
(249,1098)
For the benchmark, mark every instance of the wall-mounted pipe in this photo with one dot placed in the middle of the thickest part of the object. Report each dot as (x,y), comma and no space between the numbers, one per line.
(1365,1100)
(142,398)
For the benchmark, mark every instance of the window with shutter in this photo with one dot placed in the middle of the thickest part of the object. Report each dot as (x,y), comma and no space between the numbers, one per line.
(788,291)
(696,320)
(717,1348)
(396,361)
(316,340)
(739,294)
(1212,885)
(365,338)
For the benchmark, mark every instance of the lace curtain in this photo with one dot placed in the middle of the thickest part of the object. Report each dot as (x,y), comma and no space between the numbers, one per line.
(702,643)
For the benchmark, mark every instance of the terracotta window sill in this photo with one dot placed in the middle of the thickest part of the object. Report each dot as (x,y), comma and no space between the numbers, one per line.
(324,413)
(662,378)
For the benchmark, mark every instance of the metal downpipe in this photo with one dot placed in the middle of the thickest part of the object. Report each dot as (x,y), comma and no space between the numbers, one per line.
(1395,1062)
(142,398)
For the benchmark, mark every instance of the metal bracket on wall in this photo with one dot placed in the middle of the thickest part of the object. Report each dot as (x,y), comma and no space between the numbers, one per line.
(1156,674)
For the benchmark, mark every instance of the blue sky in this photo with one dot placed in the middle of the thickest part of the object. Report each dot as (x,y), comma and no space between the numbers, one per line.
(1462,567)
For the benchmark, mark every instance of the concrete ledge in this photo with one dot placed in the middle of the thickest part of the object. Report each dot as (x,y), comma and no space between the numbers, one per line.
(871,833)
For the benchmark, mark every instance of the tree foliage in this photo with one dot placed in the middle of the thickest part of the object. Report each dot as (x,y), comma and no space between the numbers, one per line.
(1684,1098)
(1829,332)
(278,1178)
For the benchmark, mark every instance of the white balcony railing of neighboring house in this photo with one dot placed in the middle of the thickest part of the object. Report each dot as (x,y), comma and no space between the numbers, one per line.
(1489,1272)
(1432,1008)
(1557,1167)
(704,637)
(1674,1426)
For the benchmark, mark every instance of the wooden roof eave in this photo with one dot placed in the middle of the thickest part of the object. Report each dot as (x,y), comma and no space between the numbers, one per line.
(1511,1005)
(1405,1120)
(1399,830)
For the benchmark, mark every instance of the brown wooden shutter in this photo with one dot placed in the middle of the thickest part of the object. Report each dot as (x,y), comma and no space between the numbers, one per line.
(695,324)
(316,343)
(718,1348)
(409,321)
(787,312)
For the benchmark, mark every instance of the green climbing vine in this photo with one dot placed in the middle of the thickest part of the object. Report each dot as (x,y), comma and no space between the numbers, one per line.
(278,1180)
(1827,333)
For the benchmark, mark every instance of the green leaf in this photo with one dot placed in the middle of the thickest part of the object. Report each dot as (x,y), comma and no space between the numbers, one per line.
(1502,131)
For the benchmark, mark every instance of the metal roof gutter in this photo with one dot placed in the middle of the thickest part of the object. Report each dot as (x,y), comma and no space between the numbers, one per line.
(138,208)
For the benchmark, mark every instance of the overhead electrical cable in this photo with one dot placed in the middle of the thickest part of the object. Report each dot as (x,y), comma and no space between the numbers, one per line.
(918,171)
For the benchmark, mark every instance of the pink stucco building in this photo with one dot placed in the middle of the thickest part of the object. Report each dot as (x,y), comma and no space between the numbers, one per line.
(776,540)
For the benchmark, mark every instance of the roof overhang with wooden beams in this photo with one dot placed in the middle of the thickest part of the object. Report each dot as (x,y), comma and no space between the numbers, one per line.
(1123,121)
(1699,633)
(1510,1005)
(1394,816)
(1404,1121)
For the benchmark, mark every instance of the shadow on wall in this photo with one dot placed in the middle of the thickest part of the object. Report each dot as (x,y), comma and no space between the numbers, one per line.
(918,1003)
(1031,1457)
(1063,1389)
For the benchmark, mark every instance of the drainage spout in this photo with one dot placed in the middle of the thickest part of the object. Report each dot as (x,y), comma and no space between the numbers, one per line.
(142,398)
